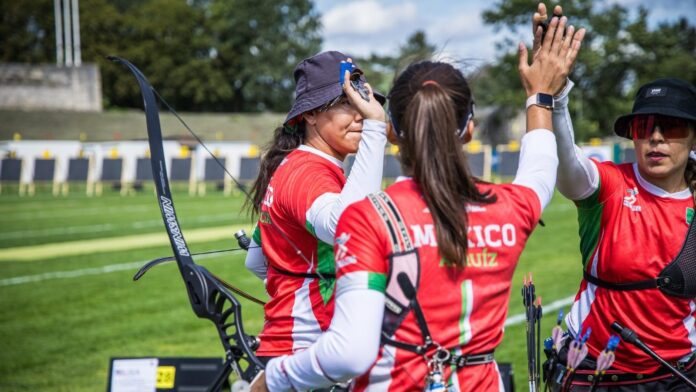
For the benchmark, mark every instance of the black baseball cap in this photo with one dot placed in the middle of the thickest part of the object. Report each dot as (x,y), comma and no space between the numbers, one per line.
(317,82)
(669,97)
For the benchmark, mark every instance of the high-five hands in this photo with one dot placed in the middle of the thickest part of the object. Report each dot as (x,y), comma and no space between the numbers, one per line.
(555,56)
(540,24)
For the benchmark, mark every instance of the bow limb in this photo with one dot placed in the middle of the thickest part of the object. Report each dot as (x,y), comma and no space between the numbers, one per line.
(208,297)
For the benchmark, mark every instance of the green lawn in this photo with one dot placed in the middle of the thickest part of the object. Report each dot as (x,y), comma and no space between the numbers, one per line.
(59,333)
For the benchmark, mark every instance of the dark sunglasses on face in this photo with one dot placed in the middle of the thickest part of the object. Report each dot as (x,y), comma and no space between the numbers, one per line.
(642,127)
(342,99)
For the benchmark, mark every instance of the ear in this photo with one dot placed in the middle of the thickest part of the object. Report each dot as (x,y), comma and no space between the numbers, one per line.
(469,134)
(391,134)
(310,117)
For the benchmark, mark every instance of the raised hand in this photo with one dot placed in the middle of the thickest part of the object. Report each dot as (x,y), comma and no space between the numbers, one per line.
(538,19)
(553,60)
(371,110)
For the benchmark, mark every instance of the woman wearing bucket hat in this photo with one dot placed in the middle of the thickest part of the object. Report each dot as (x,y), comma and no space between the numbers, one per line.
(301,190)
(633,221)
(424,268)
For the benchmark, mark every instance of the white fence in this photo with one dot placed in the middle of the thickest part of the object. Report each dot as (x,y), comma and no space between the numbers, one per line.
(125,164)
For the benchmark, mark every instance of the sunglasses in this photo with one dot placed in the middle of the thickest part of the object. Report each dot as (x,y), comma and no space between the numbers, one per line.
(340,100)
(642,127)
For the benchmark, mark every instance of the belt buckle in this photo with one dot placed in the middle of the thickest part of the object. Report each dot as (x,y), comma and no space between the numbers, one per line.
(463,361)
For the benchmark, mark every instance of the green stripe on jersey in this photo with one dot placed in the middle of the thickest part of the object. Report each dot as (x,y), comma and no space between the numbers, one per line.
(465,316)
(361,280)
(589,220)
(256,235)
(325,265)
(376,281)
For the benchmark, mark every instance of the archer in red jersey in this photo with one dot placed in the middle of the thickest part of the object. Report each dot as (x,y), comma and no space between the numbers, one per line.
(424,269)
(302,190)
(633,220)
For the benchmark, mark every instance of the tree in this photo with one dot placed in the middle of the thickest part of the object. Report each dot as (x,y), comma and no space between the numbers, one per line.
(173,51)
(620,52)
(257,44)
(380,70)
(27,31)
(212,55)
(416,48)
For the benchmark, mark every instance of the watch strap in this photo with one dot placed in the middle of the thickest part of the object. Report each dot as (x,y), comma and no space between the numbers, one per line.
(540,99)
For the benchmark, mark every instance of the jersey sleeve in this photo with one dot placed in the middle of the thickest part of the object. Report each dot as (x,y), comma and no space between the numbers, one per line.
(255,260)
(590,209)
(524,202)
(308,185)
(538,164)
(360,250)
(611,180)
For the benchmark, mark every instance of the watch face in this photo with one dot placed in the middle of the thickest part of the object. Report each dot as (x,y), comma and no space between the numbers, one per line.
(545,100)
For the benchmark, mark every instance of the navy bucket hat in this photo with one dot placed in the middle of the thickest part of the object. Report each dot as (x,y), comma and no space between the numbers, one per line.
(669,97)
(317,82)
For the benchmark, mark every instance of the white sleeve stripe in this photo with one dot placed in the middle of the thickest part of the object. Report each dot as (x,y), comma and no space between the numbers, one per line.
(365,178)
(578,177)
(538,164)
(356,280)
(343,351)
(320,217)
(256,261)
(591,173)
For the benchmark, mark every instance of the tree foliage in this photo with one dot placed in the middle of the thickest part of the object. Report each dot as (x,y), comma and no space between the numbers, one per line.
(620,52)
(207,55)
(380,70)
(257,45)
(27,31)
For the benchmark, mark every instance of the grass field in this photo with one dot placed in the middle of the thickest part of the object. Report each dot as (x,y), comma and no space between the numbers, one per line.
(68,303)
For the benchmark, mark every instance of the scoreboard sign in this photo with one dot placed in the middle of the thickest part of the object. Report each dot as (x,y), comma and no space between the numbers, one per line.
(162,374)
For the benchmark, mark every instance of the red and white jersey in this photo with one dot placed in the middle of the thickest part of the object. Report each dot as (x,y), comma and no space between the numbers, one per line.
(465,307)
(300,308)
(629,231)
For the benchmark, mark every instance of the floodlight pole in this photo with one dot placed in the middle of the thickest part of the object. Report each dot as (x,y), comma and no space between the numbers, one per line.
(59,32)
(76,33)
(68,34)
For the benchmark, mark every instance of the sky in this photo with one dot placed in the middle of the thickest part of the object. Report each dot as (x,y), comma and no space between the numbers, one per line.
(362,27)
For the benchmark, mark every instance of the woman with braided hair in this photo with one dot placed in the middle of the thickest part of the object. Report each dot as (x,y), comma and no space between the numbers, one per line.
(424,268)
(633,221)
